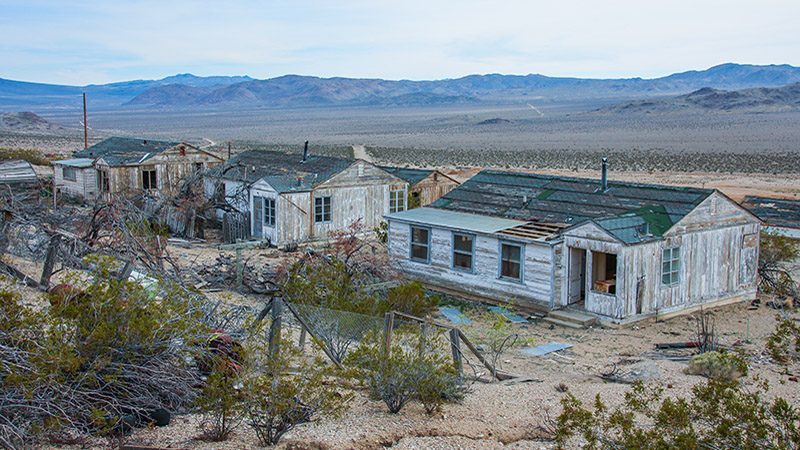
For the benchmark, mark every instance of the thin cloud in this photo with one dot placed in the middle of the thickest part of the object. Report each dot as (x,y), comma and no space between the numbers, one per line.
(82,42)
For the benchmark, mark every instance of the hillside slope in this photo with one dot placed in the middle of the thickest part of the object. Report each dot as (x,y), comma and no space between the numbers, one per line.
(755,100)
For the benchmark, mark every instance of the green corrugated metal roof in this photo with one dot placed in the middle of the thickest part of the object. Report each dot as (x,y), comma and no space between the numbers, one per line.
(625,209)
(122,151)
(281,170)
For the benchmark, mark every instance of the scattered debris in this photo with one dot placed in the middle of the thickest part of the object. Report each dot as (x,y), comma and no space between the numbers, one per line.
(511,316)
(544,349)
(454,315)
(690,344)
(639,371)
(232,272)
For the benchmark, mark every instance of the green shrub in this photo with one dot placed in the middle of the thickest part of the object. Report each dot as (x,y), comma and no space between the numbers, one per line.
(33,156)
(103,351)
(327,283)
(718,414)
(411,371)
(221,402)
(288,391)
(382,232)
(775,252)
(718,366)
(410,298)
(784,343)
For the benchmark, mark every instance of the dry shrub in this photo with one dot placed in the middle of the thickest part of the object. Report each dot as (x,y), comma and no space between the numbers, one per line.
(717,366)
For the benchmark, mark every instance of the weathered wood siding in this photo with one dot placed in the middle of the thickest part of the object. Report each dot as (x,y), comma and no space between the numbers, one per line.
(264,190)
(359,192)
(718,244)
(172,166)
(433,187)
(85,184)
(484,281)
(295,213)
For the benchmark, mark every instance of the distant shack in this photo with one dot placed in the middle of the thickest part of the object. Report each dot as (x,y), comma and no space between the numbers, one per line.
(425,186)
(780,215)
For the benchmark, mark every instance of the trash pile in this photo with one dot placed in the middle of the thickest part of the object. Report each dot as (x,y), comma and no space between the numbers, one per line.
(230,272)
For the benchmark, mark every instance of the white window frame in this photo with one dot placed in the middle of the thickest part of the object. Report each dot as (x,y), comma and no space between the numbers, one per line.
(520,262)
(397,200)
(671,266)
(471,254)
(322,209)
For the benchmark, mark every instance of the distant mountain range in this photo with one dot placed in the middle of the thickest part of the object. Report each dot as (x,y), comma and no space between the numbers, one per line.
(191,92)
(781,99)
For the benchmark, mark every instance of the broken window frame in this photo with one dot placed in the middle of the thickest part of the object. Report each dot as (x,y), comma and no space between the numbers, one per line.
(149,178)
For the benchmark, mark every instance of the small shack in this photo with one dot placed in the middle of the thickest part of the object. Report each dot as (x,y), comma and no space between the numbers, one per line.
(425,186)
(76,177)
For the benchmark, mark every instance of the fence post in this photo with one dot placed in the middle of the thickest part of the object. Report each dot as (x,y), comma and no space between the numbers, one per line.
(50,260)
(455,347)
(388,326)
(239,268)
(275,327)
(423,343)
(302,339)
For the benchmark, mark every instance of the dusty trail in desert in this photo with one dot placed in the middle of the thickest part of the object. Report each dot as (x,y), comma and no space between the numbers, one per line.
(360,152)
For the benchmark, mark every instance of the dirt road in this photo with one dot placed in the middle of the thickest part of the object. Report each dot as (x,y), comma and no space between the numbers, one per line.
(360,152)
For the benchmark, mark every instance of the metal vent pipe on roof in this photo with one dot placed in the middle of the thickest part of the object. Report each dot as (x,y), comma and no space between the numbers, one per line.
(305,152)
(604,176)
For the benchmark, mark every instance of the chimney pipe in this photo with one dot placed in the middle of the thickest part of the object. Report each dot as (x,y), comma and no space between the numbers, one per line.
(299,181)
(604,176)
(305,152)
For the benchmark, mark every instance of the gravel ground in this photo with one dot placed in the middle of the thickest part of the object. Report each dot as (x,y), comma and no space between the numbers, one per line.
(499,415)
(510,416)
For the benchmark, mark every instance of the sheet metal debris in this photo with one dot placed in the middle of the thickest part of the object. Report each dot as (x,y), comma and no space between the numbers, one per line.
(544,349)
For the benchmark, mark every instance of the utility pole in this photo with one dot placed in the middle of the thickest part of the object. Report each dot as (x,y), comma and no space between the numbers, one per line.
(229,149)
(85,125)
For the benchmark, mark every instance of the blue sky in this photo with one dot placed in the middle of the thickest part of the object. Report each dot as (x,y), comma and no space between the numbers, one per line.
(81,42)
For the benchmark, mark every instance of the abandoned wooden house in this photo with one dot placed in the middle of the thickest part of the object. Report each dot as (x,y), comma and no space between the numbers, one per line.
(128,165)
(291,198)
(780,215)
(615,251)
(425,186)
